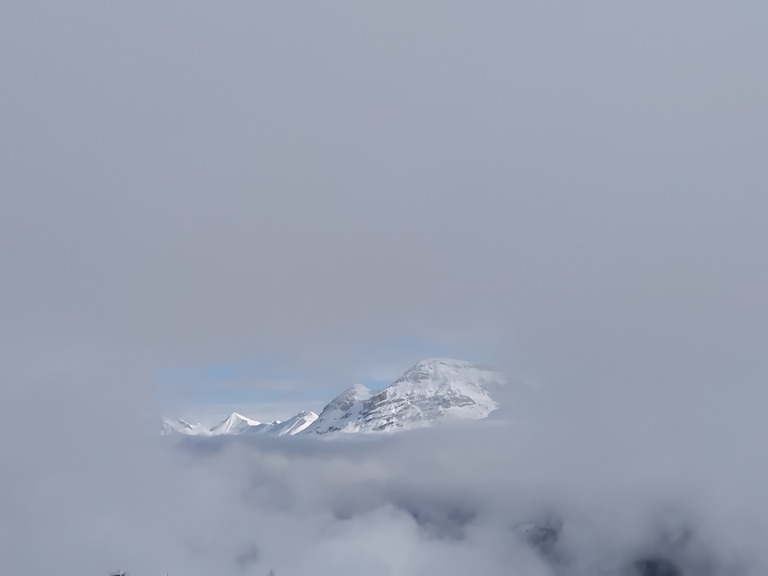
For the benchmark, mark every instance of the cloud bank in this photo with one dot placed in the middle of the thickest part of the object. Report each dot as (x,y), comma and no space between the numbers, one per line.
(539,496)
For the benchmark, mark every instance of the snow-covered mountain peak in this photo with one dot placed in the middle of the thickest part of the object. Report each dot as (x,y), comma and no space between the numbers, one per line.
(353,394)
(292,426)
(448,369)
(234,424)
(343,412)
(237,424)
(431,365)
(435,389)
(177,425)
(359,389)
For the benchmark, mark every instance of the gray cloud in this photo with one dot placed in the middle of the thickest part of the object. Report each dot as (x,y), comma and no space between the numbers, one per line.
(574,194)
(443,500)
(205,180)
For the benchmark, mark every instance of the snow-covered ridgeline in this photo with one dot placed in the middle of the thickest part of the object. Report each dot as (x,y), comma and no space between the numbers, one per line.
(434,390)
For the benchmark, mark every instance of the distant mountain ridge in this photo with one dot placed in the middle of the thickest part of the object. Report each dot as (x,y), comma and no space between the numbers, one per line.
(432,391)
(236,424)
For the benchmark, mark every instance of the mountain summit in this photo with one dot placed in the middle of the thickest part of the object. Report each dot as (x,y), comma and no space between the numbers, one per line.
(434,390)
(234,424)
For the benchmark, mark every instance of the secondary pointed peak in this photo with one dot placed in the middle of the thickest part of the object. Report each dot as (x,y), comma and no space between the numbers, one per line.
(234,423)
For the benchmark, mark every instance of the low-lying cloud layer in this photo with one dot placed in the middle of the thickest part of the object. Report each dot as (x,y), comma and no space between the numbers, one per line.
(544,495)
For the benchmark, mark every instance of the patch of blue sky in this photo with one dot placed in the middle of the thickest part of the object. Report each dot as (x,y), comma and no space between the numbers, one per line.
(377,384)
(382,365)
(233,382)
(240,383)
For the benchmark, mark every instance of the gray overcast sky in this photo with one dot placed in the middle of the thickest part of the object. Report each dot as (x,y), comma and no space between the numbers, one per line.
(572,191)
(197,197)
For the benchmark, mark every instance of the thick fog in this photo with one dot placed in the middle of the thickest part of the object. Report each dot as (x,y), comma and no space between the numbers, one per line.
(575,194)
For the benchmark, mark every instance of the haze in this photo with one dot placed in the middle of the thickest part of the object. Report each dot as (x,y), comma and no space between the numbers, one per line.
(323,193)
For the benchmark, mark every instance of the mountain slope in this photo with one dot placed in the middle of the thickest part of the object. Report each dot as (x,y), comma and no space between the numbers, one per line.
(234,424)
(344,413)
(177,425)
(289,427)
(434,390)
